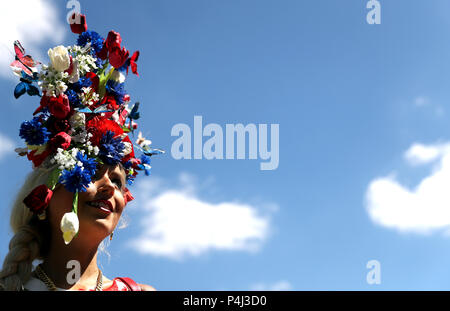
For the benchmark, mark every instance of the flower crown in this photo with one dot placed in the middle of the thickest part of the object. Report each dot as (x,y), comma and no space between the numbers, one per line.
(83,119)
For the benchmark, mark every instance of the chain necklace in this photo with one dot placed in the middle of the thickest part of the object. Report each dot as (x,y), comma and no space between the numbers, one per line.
(52,287)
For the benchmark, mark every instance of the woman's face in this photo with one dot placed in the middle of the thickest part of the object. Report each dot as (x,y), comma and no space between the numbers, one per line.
(99,208)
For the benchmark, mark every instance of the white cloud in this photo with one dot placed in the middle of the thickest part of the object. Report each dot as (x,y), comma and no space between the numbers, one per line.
(32,22)
(423,209)
(419,154)
(277,286)
(421,101)
(177,223)
(6,146)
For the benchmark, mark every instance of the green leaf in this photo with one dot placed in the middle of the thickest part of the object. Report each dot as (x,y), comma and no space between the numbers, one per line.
(53,179)
(103,80)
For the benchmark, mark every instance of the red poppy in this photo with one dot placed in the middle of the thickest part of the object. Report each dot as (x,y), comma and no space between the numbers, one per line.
(39,199)
(98,126)
(61,140)
(59,106)
(37,159)
(110,102)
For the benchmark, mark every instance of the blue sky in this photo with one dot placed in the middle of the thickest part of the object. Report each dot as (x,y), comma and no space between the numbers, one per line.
(363,115)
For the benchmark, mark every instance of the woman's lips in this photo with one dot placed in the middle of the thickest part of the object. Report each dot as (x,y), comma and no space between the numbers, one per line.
(103,205)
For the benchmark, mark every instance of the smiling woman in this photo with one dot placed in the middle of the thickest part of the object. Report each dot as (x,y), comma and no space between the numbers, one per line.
(82,161)
(99,210)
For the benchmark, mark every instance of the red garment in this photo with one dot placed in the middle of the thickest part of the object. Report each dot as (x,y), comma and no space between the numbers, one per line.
(122,285)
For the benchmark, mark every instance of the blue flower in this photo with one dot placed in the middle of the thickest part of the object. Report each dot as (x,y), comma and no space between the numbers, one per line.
(127,165)
(33,132)
(145,164)
(89,165)
(130,179)
(117,90)
(111,149)
(94,38)
(75,180)
(74,99)
(81,83)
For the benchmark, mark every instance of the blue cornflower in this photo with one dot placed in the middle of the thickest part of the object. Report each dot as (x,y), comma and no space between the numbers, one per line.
(130,179)
(111,149)
(73,97)
(89,165)
(75,180)
(117,90)
(94,38)
(127,165)
(33,132)
(145,164)
(81,83)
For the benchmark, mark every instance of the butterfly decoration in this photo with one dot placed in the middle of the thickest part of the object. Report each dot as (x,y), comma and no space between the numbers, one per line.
(101,109)
(26,86)
(23,62)
(148,151)
(25,67)
(144,145)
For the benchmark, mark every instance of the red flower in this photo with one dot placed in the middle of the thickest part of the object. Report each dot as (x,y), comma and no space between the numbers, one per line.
(133,64)
(61,140)
(110,102)
(123,117)
(56,126)
(118,57)
(38,159)
(59,106)
(43,104)
(94,79)
(70,69)
(103,54)
(98,126)
(39,199)
(135,164)
(78,23)
(113,41)
(131,154)
(127,196)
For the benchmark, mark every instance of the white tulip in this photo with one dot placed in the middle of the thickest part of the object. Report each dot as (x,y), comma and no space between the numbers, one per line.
(69,226)
(59,56)
(118,76)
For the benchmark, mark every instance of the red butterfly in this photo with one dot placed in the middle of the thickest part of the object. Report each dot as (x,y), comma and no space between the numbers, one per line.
(23,62)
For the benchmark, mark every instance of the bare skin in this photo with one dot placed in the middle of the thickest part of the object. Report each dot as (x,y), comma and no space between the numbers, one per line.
(95,226)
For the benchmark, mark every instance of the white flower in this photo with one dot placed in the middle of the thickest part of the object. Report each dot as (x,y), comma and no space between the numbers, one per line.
(128,148)
(69,226)
(59,56)
(75,73)
(78,120)
(118,76)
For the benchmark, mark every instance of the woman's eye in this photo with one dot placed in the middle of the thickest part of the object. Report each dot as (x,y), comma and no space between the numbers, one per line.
(118,182)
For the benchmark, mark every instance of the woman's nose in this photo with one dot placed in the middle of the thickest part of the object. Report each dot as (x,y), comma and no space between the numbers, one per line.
(105,186)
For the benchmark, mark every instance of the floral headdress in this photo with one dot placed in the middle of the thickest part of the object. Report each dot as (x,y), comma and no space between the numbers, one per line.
(83,119)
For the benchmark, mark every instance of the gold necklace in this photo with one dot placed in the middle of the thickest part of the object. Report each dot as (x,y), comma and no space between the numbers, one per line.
(52,287)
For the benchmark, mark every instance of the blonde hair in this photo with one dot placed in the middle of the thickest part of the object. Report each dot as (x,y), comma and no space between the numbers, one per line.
(29,240)
(26,244)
